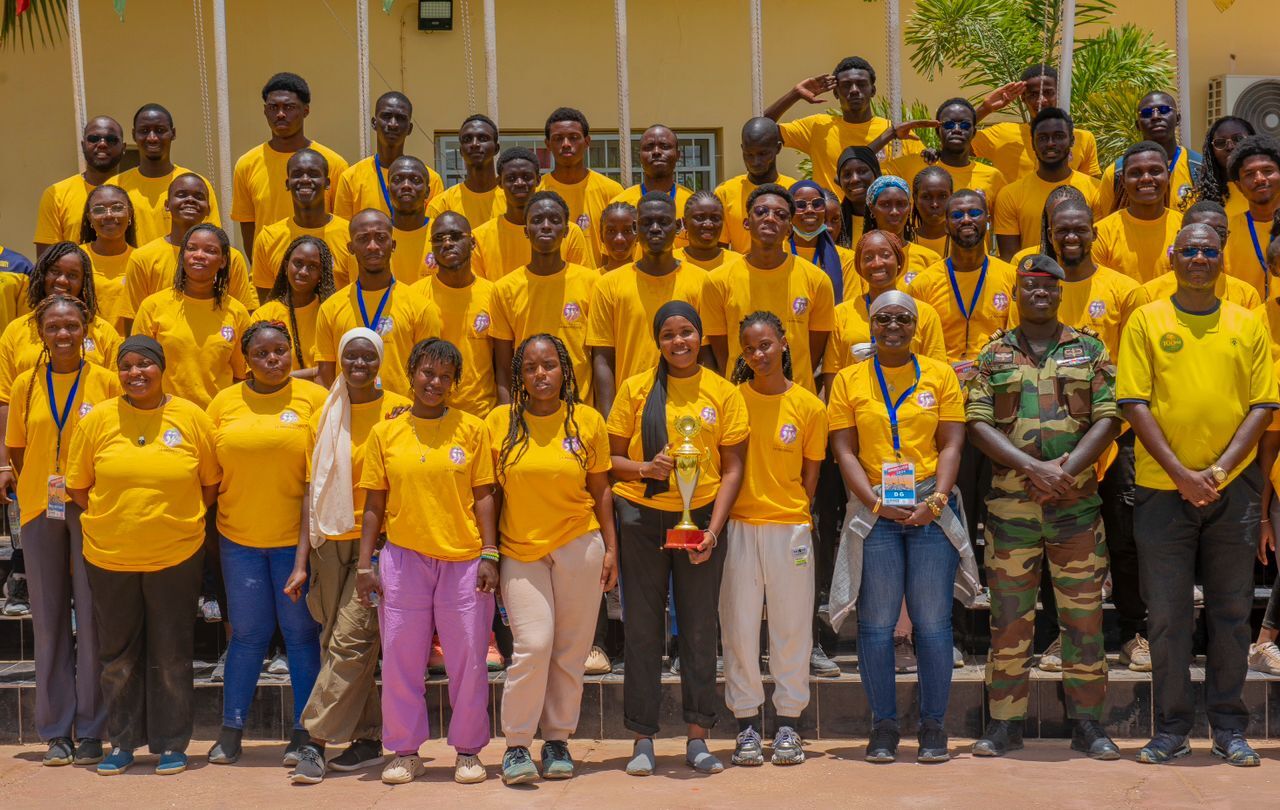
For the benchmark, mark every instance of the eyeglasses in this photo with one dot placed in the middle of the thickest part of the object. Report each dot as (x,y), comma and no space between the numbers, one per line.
(963,126)
(815,205)
(111,140)
(1148,112)
(971,213)
(1226,143)
(888,319)
(103,210)
(1209,253)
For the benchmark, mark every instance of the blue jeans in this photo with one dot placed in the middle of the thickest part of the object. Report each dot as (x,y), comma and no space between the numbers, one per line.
(256,604)
(920,562)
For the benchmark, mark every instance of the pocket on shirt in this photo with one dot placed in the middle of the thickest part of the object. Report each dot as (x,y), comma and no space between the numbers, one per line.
(1075,390)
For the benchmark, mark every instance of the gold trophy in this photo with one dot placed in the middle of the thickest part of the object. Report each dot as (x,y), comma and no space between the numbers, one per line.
(688,462)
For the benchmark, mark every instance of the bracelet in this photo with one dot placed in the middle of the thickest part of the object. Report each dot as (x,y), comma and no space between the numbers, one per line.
(1266,520)
(715,538)
(6,468)
(875,510)
(364,570)
(490,554)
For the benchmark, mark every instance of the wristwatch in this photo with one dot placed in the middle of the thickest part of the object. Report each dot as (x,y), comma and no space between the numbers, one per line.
(1219,474)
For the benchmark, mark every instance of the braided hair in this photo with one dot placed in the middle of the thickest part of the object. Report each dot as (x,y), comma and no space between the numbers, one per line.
(438,350)
(915,221)
(220,282)
(253,329)
(742,370)
(36,291)
(1058,195)
(1211,181)
(88,235)
(37,317)
(516,441)
(282,292)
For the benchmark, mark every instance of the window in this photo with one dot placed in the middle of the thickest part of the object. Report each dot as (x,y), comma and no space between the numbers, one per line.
(697,169)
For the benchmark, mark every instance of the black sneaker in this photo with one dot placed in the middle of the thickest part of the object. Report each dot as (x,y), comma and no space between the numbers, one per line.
(59,752)
(18,603)
(1164,748)
(933,743)
(1234,748)
(883,745)
(359,755)
(310,768)
(88,751)
(226,751)
(518,767)
(1089,738)
(1002,737)
(557,762)
(299,738)
(748,750)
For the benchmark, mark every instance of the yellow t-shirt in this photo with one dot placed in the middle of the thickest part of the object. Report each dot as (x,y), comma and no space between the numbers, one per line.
(546,502)
(428,468)
(149,194)
(797,291)
(1019,209)
(201,342)
(824,136)
(364,415)
(20,348)
(1136,247)
(13,296)
(733,195)
(938,246)
(153,267)
(857,402)
(965,337)
(587,200)
(1101,303)
(633,194)
(61,210)
(713,400)
(1008,146)
(622,310)
(1200,375)
(919,259)
(36,433)
(502,247)
(786,429)
(146,509)
(1269,314)
(406,319)
(852,282)
(271,242)
(258,194)
(467,314)
(524,304)
(724,257)
(1226,288)
(109,281)
(976,176)
(853,326)
(303,323)
(261,445)
(477,206)
(1240,258)
(412,259)
(1181,185)
(1236,204)
(358,188)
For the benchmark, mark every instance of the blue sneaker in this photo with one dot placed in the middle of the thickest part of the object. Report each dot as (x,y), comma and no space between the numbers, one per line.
(171,762)
(117,762)
(1164,748)
(1235,749)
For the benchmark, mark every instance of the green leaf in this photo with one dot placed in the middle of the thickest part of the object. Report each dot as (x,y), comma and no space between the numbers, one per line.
(46,18)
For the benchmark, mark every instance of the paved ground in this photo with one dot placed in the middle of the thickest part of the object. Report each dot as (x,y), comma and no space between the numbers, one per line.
(1047,774)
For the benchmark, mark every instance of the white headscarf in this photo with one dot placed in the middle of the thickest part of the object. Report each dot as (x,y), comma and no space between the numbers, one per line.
(332,495)
(892,298)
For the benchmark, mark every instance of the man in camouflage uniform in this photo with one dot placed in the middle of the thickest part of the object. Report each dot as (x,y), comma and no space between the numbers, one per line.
(1043,408)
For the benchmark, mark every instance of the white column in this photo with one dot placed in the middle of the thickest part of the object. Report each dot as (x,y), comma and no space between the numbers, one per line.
(893,52)
(362,73)
(757,59)
(224,104)
(1183,48)
(624,89)
(491,57)
(1068,53)
(77,74)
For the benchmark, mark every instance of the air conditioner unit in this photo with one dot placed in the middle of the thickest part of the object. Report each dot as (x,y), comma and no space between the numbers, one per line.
(1253,98)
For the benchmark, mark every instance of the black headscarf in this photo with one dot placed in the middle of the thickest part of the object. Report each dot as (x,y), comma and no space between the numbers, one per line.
(868,157)
(143,345)
(653,421)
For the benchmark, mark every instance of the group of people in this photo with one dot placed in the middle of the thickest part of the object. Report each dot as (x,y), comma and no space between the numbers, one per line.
(419,414)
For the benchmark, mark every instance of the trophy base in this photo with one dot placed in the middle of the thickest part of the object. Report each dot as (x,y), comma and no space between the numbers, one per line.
(683,539)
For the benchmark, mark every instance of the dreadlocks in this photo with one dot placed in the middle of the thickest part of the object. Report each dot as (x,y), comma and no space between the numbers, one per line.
(436,350)
(742,370)
(36,291)
(220,282)
(1059,194)
(516,441)
(282,291)
(1211,182)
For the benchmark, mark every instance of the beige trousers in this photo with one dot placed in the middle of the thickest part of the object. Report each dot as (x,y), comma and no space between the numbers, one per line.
(552,604)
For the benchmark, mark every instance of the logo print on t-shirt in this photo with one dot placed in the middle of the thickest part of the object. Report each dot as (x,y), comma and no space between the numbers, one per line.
(925,399)
(800,305)
(457,455)
(909,277)
(89,345)
(228,334)
(788,433)
(385,325)
(430,261)
(288,416)
(171,437)
(584,222)
(709,415)
(572,311)
(1097,308)
(481,324)
(1000,301)
(85,407)
(1171,342)
(571,444)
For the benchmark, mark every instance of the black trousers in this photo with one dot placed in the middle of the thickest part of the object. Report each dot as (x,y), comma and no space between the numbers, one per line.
(646,570)
(1117,491)
(829,515)
(146,641)
(1175,539)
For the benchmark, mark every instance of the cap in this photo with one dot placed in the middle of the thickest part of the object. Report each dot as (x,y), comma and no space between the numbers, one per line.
(1040,265)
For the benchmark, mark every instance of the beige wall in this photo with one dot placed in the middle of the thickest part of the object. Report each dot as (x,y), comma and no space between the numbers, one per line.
(689,67)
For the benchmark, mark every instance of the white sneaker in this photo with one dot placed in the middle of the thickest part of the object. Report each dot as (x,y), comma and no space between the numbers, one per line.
(1051,659)
(468,770)
(1136,654)
(598,663)
(279,665)
(403,770)
(1265,657)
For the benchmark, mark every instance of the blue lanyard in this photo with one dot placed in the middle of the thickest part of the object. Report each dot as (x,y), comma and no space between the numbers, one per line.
(891,406)
(60,421)
(867,300)
(377,316)
(1262,259)
(672,195)
(967,313)
(382,184)
(1173,161)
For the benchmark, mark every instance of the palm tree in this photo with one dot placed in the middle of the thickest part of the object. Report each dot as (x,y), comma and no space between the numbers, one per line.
(44,18)
(990,43)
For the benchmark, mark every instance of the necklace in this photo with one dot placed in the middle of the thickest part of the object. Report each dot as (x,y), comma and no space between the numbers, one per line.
(413,425)
(144,428)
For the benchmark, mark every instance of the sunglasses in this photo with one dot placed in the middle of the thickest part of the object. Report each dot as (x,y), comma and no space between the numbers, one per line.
(1226,143)
(963,126)
(888,319)
(111,140)
(971,213)
(103,210)
(816,205)
(1148,112)
(1210,253)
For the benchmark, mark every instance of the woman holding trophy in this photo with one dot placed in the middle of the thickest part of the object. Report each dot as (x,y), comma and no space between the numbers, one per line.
(677,436)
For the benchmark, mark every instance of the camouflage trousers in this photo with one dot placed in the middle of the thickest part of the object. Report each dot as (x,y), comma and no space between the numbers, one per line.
(1020,535)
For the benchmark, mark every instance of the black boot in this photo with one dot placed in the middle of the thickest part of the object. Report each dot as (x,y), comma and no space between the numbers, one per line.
(227,749)
(1002,737)
(1088,738)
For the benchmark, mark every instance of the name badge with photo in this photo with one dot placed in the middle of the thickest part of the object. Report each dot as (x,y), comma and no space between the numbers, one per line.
(57,508)
(898,483)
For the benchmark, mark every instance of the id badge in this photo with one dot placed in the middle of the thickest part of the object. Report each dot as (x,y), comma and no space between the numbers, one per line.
(57,509)
(800,555)
(898,483)
(965,369)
